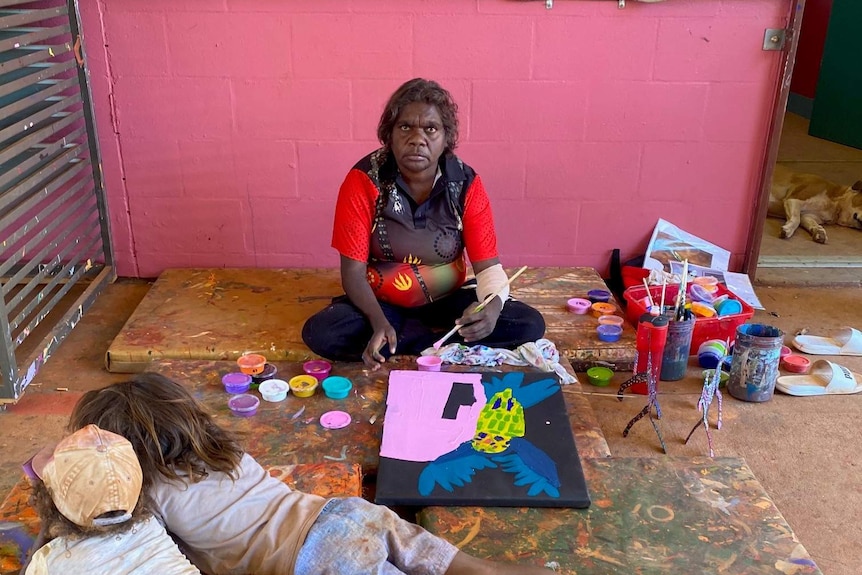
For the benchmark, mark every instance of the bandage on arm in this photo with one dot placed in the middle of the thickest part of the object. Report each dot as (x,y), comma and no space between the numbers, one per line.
(490,280)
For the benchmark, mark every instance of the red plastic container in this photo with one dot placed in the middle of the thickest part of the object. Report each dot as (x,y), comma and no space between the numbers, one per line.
(723,327)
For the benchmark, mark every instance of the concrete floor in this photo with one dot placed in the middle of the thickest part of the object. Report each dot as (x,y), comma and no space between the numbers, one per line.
(799,260)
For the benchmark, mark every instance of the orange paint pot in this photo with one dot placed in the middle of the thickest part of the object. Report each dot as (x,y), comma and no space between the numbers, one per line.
(601,308)
(251,363)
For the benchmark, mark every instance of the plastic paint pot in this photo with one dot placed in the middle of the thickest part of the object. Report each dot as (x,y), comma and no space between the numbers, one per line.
(336,387)
(609,332)
(785,351)
(722,379)
(708,282)
(728,307)
(429,362)
(244,405)
(269,371)
(251,363)
(600,376)
(236,382)
(303,385)
(611,320)
(595,295)
(795,363)
(701,309)
(335,419)
(710,353)
(601,308)
(699,293)
(273,390)
(318,368)
(578,305)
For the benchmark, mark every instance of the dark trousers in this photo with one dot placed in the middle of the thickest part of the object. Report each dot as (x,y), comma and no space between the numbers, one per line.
(341,331)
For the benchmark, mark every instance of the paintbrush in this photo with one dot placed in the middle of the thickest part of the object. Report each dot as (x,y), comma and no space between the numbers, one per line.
(479,308)
(663,286)
(649,299)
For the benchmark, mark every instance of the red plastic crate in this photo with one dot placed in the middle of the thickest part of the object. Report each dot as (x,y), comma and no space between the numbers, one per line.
(705,328)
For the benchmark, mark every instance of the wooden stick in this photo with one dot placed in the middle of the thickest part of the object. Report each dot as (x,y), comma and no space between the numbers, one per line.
(663,286)
(480,307)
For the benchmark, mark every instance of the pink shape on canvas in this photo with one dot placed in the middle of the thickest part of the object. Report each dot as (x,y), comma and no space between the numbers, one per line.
(414,429)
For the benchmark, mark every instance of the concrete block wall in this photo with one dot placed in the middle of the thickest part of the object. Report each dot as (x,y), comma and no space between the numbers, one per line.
(227,126)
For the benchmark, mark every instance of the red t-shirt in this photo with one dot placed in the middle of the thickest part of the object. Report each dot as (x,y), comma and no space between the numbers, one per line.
(415,253)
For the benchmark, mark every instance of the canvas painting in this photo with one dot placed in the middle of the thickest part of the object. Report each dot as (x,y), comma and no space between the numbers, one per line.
(487,439)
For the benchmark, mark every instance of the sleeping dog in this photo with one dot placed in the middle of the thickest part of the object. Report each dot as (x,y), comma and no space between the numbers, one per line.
(811,201)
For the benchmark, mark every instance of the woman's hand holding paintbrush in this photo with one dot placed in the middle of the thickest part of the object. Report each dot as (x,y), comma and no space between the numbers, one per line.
(478,322)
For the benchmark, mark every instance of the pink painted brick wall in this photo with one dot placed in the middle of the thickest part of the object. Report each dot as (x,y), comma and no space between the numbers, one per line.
(226,126)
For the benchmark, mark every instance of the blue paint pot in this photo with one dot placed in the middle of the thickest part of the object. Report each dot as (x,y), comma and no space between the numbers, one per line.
(336,387)
(609,332)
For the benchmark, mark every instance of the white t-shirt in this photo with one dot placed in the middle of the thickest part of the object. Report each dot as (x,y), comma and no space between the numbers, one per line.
(144,549)
(255,524)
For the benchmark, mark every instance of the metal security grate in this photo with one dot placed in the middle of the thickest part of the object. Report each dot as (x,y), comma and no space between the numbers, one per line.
(55,250)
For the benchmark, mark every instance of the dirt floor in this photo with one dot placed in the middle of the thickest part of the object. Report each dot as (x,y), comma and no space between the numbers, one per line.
(803,450)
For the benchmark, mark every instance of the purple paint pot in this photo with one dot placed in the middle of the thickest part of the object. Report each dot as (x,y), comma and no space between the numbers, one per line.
(578,305)
(596,295)
(317,368)
(236,382)
(244,405)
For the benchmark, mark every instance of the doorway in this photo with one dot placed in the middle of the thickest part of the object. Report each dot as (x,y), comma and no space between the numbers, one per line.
(800,260)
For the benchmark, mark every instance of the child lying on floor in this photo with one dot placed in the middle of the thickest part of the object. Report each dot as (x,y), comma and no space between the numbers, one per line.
(87,492)
(232,517)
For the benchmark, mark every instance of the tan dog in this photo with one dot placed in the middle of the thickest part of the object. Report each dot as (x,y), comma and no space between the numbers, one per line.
(811,201)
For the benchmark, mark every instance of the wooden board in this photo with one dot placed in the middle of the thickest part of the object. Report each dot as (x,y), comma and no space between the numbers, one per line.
(218,314)
(649,515)
(19,524)
(274,435)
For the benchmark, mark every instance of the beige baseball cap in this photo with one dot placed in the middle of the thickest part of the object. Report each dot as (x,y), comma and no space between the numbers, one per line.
(94,477)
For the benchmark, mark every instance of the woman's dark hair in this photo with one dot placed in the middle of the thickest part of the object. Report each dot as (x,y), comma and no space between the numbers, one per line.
(171,432)
(55,524)
(425,92)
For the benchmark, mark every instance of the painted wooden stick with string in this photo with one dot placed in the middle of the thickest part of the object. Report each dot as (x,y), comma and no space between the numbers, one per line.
(480,307)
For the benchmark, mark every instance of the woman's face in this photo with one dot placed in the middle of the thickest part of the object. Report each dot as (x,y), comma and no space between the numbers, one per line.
(418,139)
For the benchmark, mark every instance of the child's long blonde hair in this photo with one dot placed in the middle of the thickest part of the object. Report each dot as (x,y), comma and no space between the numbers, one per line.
(171,432)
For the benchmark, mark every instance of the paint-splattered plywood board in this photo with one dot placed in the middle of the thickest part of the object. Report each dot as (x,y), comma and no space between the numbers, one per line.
(221,313)
(649,515)
(19,524)
(277,434)
(217,314)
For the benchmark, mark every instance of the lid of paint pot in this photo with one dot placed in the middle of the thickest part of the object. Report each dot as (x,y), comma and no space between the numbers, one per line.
(335,419)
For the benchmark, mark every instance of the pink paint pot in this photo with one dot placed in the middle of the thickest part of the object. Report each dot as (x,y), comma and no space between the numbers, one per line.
(578,305)
(236,382)
(429,362)
(795,363)
(335,419)
(317,368)
(251,363)
(244,405)
(785,351)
